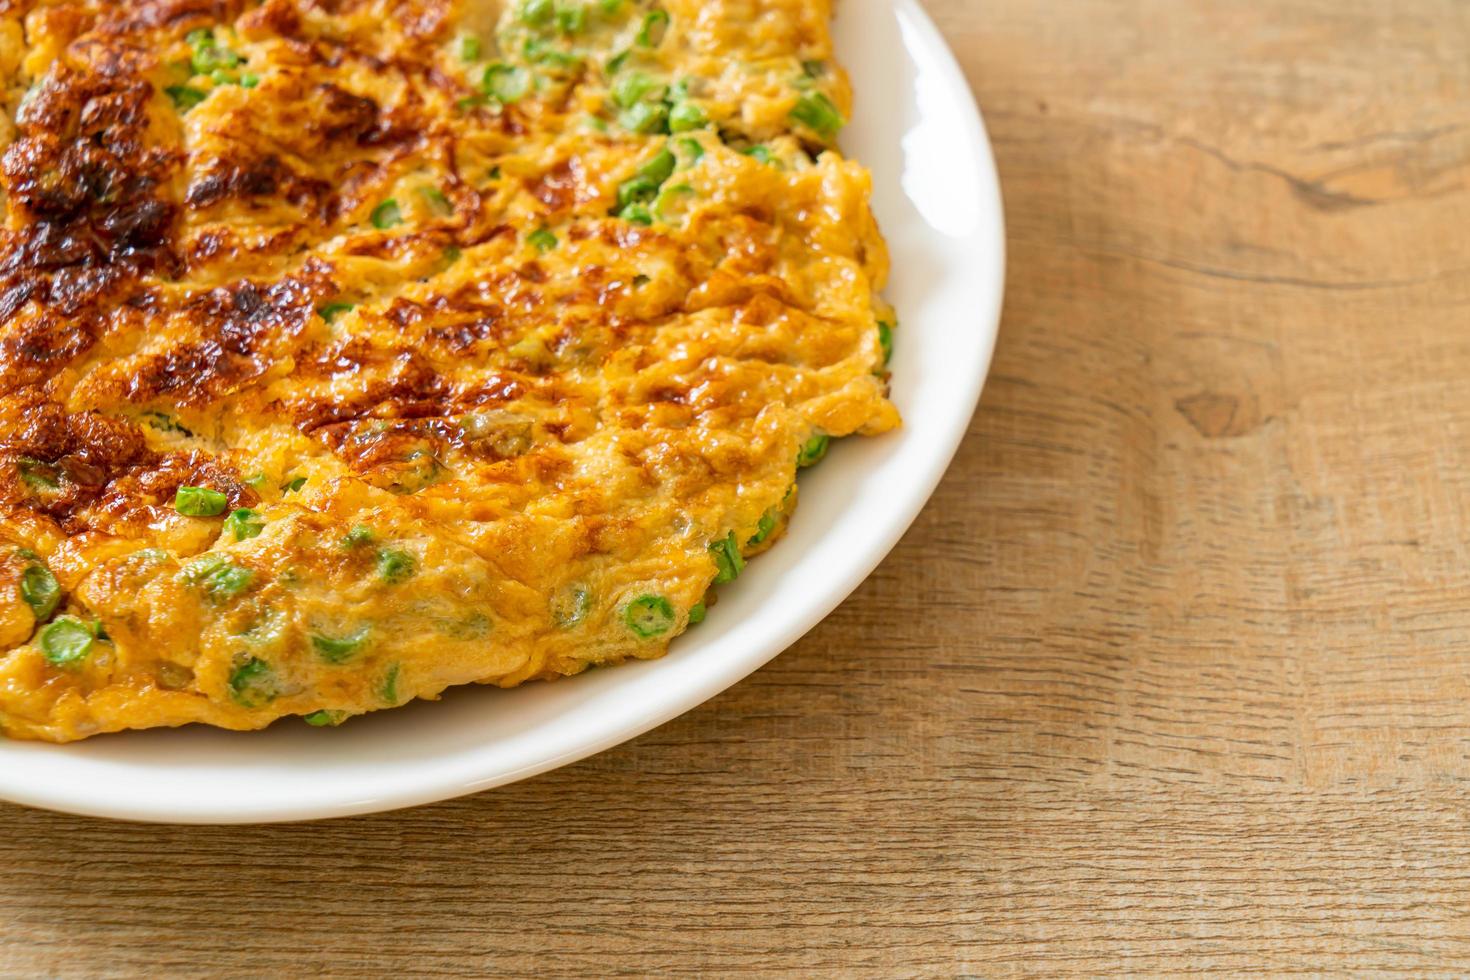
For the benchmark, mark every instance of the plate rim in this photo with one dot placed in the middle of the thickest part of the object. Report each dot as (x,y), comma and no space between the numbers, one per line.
(987,185)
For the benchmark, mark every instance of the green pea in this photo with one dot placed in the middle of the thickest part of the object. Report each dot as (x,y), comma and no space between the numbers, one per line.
(66,642)
(325,718)
(339,649)
(40,591)
(388,690)
(646,118)
(395,566)
(649,616)
(570,607)
(815,111)
(387,215)
(885,340)
(813,450)
(200,502)
(253,683)
(542,240)
(728,561)
(686,116)
(244,523)
(697,613)
(249,79)
(508,83)
(609,7)
(764,527)
(469,49)
(655,24)
(185,97)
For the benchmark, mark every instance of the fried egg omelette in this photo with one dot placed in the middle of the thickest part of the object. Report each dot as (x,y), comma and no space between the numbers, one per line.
(354,349)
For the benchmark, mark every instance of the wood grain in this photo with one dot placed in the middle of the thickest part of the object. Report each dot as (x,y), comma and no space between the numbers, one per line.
(1173,675)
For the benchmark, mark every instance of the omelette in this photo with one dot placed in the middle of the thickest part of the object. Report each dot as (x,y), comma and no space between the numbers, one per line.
(354,349)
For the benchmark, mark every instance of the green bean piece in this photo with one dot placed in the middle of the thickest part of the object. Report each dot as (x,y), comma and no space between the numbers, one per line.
(200,502)
(649,616)
(325,718)
(815,111)
(686,116)
(570,607)
(616,62)
(208,56)
(395,566)
(655,25)
(294,485)
(697,613)
(331,311)
(339,649)
(659,168)
(631,89)
(764,527)
(542,239)
(691,147)
(571,18)
(813,450)
(249,79)
(66,642)
(436,200)
(637,214)
(389,688)
(244,523)
(761,153)
(185,97)
(885,340)
(646,118)
(387,215)
(359,535)
(227,581)
(728,561)
(469,49)
(636,189)
(38,475)
(537,12)
(253,683)
(508,83)
(40,591)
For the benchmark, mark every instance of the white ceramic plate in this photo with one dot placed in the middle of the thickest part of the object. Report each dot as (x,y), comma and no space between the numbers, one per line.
(936,196)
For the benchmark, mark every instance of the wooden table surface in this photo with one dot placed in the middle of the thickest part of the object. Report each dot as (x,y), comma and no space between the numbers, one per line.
(1173,674)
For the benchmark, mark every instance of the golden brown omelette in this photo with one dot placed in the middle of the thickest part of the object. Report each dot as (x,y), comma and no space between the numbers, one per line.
(352,349)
